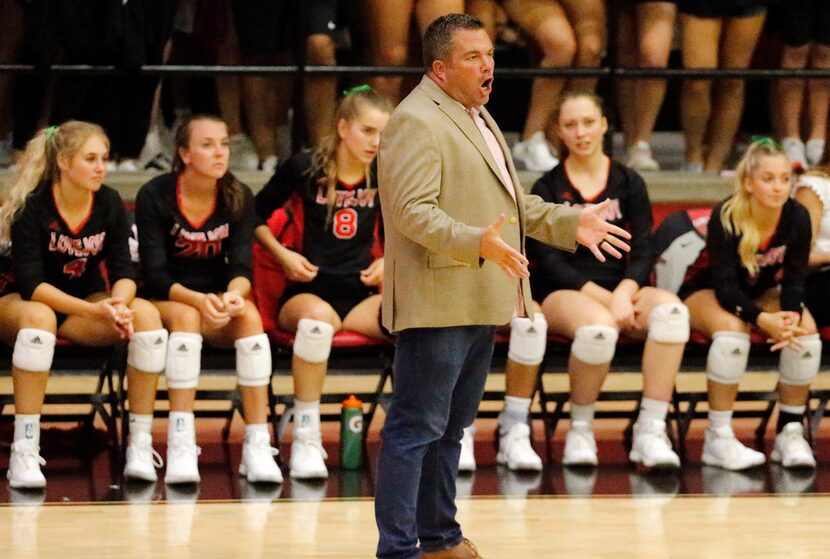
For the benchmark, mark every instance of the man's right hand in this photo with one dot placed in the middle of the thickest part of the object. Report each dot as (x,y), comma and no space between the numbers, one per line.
(296,267)
(494,249)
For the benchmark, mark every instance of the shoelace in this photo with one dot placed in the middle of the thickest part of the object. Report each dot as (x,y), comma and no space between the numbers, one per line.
(265,448)
(26,456)
(186,449)
(154,456)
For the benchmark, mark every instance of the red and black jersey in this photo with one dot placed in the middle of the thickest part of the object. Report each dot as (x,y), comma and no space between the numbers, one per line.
(338,241)
(782,261)
(46,250)
(7,283)
(630,209)
(203,256)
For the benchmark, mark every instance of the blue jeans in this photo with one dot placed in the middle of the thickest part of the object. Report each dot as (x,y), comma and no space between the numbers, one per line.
(439,377)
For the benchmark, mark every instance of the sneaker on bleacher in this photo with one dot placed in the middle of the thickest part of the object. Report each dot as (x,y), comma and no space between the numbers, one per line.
(692,167)
(534,154)
(128,166)
(269,164)
(467,458)
(515,451)
(308,457)
(182,459)
(142,460)
(814,150)
(580,446)
(160,162)
(24,466)
(640,158)
(791,448)
(722,449)
(651,446)
(243,154)
(258,464)
(796,151)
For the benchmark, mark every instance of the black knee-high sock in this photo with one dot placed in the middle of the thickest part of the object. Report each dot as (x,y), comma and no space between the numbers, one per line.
(785,417)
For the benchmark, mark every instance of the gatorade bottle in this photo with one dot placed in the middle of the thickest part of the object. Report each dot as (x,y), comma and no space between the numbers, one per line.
(351,433)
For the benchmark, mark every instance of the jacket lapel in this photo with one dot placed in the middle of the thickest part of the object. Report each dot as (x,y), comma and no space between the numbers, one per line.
(464,121)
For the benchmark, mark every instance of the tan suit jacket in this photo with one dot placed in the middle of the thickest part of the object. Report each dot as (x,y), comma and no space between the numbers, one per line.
(439,187)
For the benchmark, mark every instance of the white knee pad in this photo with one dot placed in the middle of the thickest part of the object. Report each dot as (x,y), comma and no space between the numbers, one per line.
(798,367)
(253,360)
(184,360)
(147,351)
(595,344)
(33,350)
(528,339)
(669,323)
(727,357)
(312,342)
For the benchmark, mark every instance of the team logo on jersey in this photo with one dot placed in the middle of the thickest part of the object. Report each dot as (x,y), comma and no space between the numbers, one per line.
(360,197)
(78,247)
(200,244)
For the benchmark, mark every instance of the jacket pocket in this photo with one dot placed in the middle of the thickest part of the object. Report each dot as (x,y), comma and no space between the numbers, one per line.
(441,261)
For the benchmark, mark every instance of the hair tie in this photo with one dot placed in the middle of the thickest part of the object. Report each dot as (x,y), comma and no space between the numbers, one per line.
(357,89)
(765,141)
(50,131)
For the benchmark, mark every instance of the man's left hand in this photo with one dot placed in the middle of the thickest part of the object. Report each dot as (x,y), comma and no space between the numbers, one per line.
(599,235)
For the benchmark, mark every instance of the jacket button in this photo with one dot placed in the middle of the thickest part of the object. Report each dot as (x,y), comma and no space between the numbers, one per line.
(513,219)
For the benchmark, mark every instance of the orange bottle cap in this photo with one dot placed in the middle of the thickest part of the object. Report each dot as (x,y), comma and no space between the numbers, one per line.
(352,402)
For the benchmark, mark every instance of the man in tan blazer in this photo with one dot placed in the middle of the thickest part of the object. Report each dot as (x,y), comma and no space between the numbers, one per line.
(455,223)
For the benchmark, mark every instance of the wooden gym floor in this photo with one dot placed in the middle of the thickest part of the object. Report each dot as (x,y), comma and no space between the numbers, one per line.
(611,511)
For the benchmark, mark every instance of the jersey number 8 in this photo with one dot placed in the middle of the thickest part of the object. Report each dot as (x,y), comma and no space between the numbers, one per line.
(345,223)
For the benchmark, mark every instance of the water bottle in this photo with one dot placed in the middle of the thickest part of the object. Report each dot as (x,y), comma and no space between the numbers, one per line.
(351,433)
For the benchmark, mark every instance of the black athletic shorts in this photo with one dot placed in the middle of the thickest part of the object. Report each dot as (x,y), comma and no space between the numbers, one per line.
(262,27)
(343,293)
(319,16)
(816,297)
(719,9)
(803,21)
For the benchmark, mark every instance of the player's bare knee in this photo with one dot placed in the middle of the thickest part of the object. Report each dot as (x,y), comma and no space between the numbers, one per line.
(185,319)
(40,316)
(145,314)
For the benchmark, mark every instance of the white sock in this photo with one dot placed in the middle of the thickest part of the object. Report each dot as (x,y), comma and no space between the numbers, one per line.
(583,414)
(180,422)
(720,419)
(307,415)
(515,411)
(252,428)
(795,410)
(652,410)
(140,423)
(27,427)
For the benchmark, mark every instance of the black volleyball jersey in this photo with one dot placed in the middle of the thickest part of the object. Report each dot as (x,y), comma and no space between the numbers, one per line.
(629,209)
(7,283)
(339,242)
(46,250)
(203,256)
(782,261)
